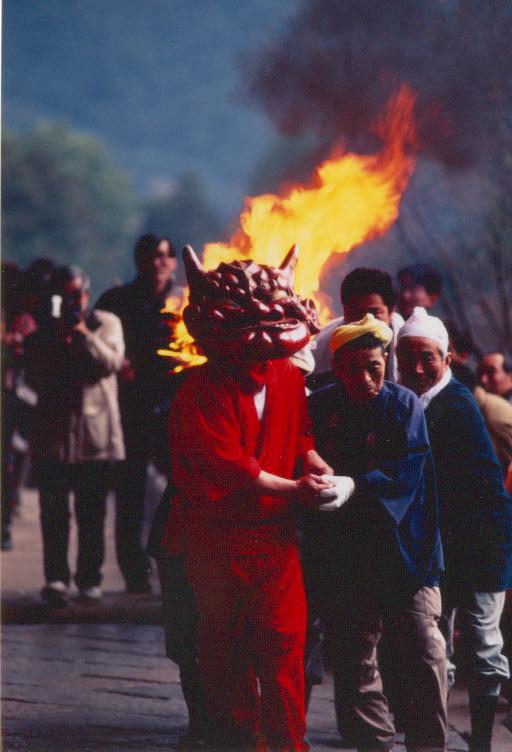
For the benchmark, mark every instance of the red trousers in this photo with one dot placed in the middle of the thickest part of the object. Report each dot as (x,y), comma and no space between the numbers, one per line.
(252,624)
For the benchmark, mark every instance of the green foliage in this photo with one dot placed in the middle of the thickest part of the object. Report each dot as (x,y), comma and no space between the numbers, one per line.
(184,215)
(157,80)
(63,198)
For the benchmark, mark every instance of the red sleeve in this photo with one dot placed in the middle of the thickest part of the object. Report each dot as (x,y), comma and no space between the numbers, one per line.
(206,442)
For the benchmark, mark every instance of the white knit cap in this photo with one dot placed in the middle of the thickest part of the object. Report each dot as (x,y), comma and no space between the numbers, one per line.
(420,324)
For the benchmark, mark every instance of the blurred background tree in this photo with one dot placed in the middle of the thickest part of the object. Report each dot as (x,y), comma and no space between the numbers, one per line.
(183,213)
(64,198)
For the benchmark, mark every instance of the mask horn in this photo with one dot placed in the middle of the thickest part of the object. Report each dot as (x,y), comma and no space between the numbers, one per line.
(193,267)
(290,262)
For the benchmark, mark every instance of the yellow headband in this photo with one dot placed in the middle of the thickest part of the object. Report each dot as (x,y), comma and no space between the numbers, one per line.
(368,325)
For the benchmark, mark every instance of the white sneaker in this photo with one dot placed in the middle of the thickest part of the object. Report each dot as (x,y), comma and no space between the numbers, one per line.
(91,594)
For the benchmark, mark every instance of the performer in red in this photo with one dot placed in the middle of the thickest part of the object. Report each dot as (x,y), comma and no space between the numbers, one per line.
(238,427)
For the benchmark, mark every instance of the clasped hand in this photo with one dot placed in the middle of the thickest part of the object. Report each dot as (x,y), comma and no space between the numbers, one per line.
(310,487)
(338,493)
(336,490)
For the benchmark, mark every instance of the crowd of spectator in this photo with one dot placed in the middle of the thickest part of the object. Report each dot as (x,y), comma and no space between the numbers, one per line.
(86,403)
(87,398)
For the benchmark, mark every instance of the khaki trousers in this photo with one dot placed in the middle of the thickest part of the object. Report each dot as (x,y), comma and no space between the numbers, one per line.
(355,627)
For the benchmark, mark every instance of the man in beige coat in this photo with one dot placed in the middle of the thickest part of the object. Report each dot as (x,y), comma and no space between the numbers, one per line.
(71,363)
(497,414)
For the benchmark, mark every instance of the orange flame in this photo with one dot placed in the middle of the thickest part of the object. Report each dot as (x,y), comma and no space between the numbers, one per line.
(182,349)
(351,199)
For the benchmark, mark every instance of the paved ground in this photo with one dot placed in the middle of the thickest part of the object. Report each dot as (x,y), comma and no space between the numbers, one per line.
(22,575)
(95,678)
(95,687)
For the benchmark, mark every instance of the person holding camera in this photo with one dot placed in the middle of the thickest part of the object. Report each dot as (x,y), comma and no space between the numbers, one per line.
(71,364)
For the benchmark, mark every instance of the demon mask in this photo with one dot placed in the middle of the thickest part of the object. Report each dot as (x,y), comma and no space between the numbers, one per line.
(247,311)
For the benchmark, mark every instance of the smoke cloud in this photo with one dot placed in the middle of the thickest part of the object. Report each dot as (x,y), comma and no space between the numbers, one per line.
(339,61)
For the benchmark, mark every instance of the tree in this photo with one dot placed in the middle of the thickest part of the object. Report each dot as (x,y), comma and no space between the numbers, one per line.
(63,198)
(183,214)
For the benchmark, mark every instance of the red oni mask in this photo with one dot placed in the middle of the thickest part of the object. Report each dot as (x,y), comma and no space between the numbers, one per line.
(247,312)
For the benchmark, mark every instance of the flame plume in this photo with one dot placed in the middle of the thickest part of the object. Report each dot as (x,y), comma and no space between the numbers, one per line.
(350,199)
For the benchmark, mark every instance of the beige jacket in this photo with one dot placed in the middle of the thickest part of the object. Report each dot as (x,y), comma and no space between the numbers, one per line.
(77,414)
(497,414)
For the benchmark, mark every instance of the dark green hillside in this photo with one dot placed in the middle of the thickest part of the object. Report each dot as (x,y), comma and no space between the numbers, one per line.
(156,80)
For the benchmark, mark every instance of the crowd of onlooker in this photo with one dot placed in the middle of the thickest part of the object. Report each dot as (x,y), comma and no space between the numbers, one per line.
(86,401)
(488,376)
(85,406)
(46,308)
(24,296)
(472,452)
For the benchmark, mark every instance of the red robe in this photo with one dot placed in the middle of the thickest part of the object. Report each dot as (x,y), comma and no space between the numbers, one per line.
(218,446)
(240,548)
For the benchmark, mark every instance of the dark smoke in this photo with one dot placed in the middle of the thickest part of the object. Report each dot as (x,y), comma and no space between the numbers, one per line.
(340,60)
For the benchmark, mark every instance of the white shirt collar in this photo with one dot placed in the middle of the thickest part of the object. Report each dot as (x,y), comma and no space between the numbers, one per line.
(429,395)
(259,401)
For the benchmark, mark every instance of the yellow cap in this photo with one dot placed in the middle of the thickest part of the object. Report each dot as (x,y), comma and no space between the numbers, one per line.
(368,325)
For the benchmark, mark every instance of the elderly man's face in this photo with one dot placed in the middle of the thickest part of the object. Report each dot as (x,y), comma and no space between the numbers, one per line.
(492,375)
(421,363)
(361,373)
(356,308)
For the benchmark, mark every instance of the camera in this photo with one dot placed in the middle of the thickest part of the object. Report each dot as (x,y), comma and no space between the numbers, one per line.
(67,310)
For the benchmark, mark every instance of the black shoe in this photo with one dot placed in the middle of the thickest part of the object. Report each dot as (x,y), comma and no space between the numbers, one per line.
(482,711)
(55,594)
(138,586)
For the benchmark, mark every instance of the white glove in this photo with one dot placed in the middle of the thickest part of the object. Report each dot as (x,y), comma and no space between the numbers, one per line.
(340,493)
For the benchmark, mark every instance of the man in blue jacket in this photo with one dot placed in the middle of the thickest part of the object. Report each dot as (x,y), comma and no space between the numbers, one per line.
(378,552)
(476,516)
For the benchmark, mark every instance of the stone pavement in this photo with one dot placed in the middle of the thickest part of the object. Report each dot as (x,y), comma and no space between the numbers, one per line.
(22,575)
(96,687)
(93,678)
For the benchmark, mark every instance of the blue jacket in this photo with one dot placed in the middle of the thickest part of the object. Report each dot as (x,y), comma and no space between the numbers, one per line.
(386,536)
(476,511)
